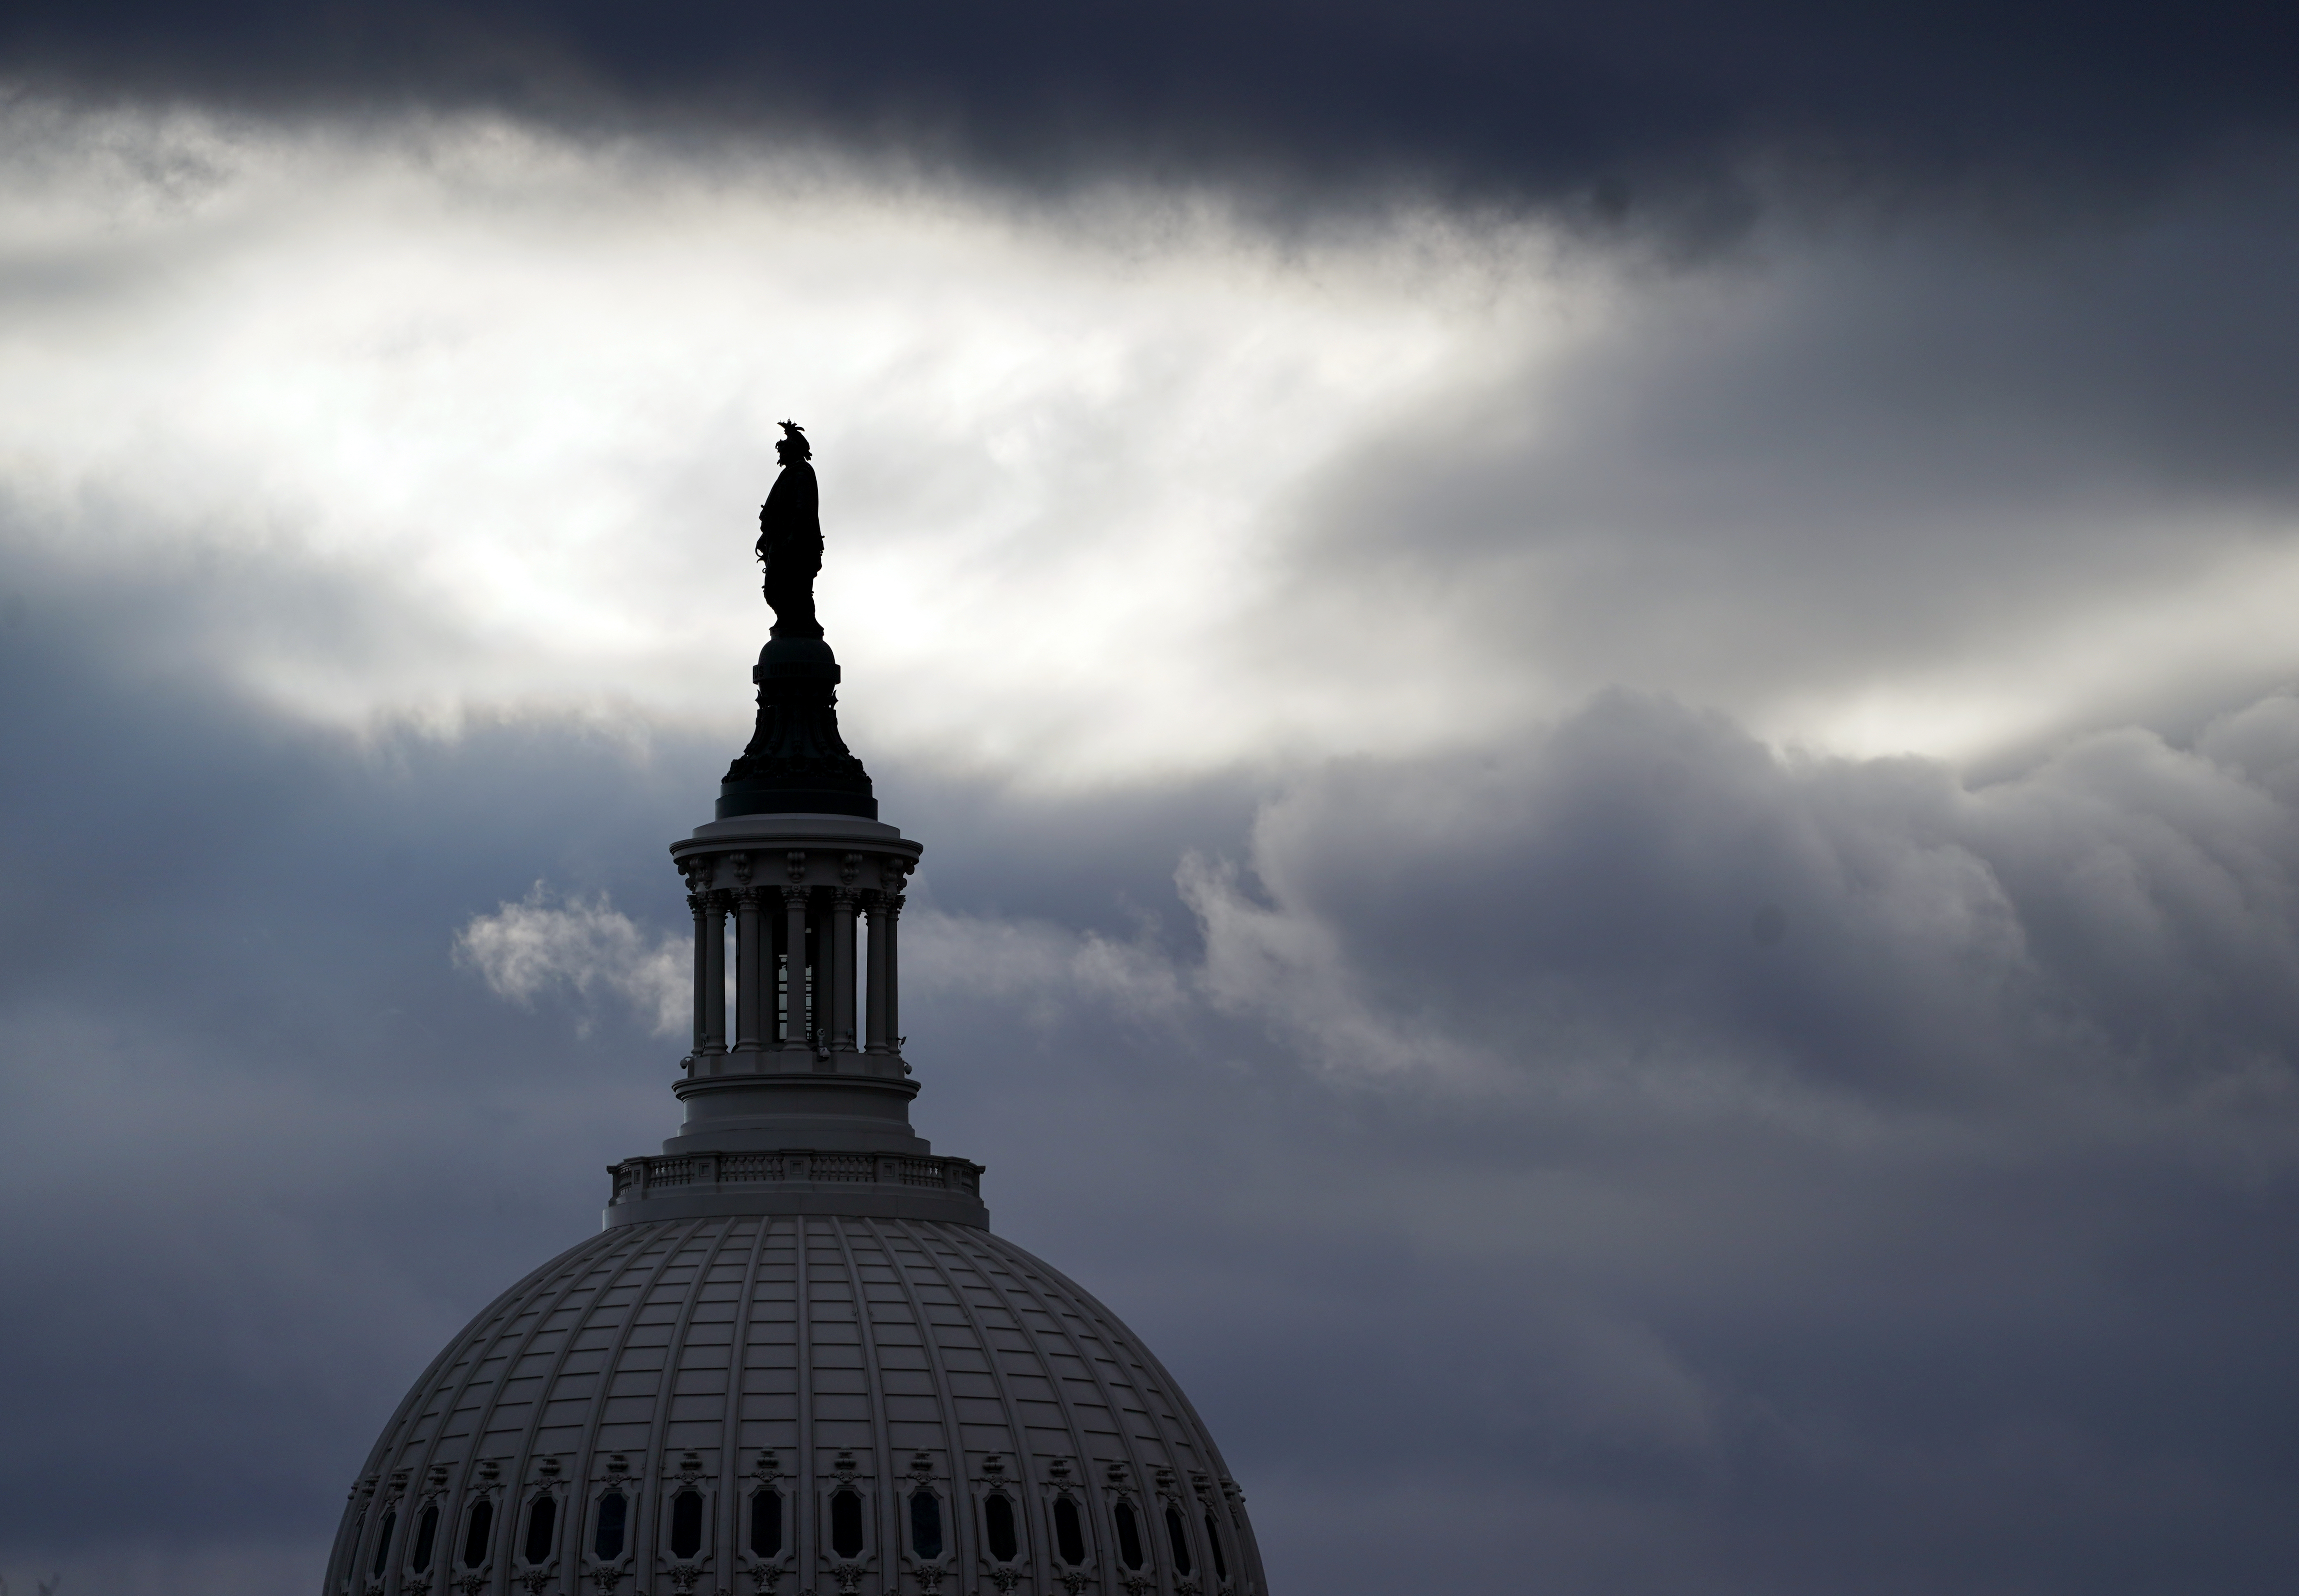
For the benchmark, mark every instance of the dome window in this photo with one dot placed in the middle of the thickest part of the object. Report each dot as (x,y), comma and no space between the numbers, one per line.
(925,1525)
(767,1523)
(1129,1535)
(997,1528)
(1213,1544)
(1178,1538)
(614,1513)
(846,1525)
(427,1532)
(479,1533)
(1069,1534)
(383,1544)
(541,1528)
(686,1523)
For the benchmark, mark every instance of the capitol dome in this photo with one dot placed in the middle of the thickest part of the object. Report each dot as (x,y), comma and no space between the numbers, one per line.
(795,1359)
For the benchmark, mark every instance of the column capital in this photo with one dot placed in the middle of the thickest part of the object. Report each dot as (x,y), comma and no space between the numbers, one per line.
(893,877)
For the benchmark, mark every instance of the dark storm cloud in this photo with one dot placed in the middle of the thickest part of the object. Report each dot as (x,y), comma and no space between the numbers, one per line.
(2119,926)
(1633,1151)
(1867,447)
(1745,1174)
(248,1124)
(1535,99)
(265,1144)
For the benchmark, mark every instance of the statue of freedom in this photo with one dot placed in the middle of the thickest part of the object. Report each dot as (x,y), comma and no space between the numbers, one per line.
(790,537)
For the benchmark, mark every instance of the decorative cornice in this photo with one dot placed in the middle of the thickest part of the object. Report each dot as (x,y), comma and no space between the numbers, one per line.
(637,1178)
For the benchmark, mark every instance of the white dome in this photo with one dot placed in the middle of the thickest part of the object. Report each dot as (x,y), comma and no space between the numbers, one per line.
(844,1403)
(795,1358)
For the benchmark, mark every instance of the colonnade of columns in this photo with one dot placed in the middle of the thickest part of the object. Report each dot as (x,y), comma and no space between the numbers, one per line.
(795,961)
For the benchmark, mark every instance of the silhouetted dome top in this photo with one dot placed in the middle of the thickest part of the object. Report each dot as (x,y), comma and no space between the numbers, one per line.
(795,1352)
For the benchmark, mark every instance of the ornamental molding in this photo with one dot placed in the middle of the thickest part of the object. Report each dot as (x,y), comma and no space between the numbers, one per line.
(637,1180)
(840,772)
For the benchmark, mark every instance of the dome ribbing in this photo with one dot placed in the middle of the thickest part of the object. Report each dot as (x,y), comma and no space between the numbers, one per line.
(711,1355)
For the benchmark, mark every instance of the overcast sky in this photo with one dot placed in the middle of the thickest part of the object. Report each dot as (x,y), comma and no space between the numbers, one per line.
(1603,706)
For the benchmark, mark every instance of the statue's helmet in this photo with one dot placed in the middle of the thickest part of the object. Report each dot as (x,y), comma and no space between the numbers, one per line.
(793,438)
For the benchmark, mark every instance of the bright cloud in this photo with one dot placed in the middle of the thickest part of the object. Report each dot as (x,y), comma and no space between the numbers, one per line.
(526,948)
(1126,488)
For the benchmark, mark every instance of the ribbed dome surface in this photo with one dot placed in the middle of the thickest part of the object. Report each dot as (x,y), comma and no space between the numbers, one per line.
(891,1374)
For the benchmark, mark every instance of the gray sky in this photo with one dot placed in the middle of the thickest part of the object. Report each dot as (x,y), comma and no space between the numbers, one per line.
(1603,711)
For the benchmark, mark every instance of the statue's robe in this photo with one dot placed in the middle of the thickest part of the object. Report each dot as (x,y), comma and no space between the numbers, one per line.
(790,540)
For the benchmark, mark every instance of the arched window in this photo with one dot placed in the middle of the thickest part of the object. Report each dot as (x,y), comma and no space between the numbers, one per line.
(1213,1545)
(614,1511)
(382,1545)
(1177,1536)
(997,1528)
(925,1524)
(846,1525)
(541,1528)
(767,1523)
(1069,1534)
(479,1533)
(686,1523)
(426,1531)
(1129,1535)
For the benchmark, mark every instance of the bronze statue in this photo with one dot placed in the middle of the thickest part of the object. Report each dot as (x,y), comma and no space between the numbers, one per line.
(790,537)
(796,763)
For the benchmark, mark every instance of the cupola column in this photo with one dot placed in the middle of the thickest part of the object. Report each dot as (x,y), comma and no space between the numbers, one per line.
(874,1001)
(795,967)
(713,1026)
(890,982)
(840,959)
(709,909)
(751,960)
(699,902)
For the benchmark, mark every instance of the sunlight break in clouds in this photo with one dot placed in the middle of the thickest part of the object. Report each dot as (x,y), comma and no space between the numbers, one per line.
(518,394)
(1120,489)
